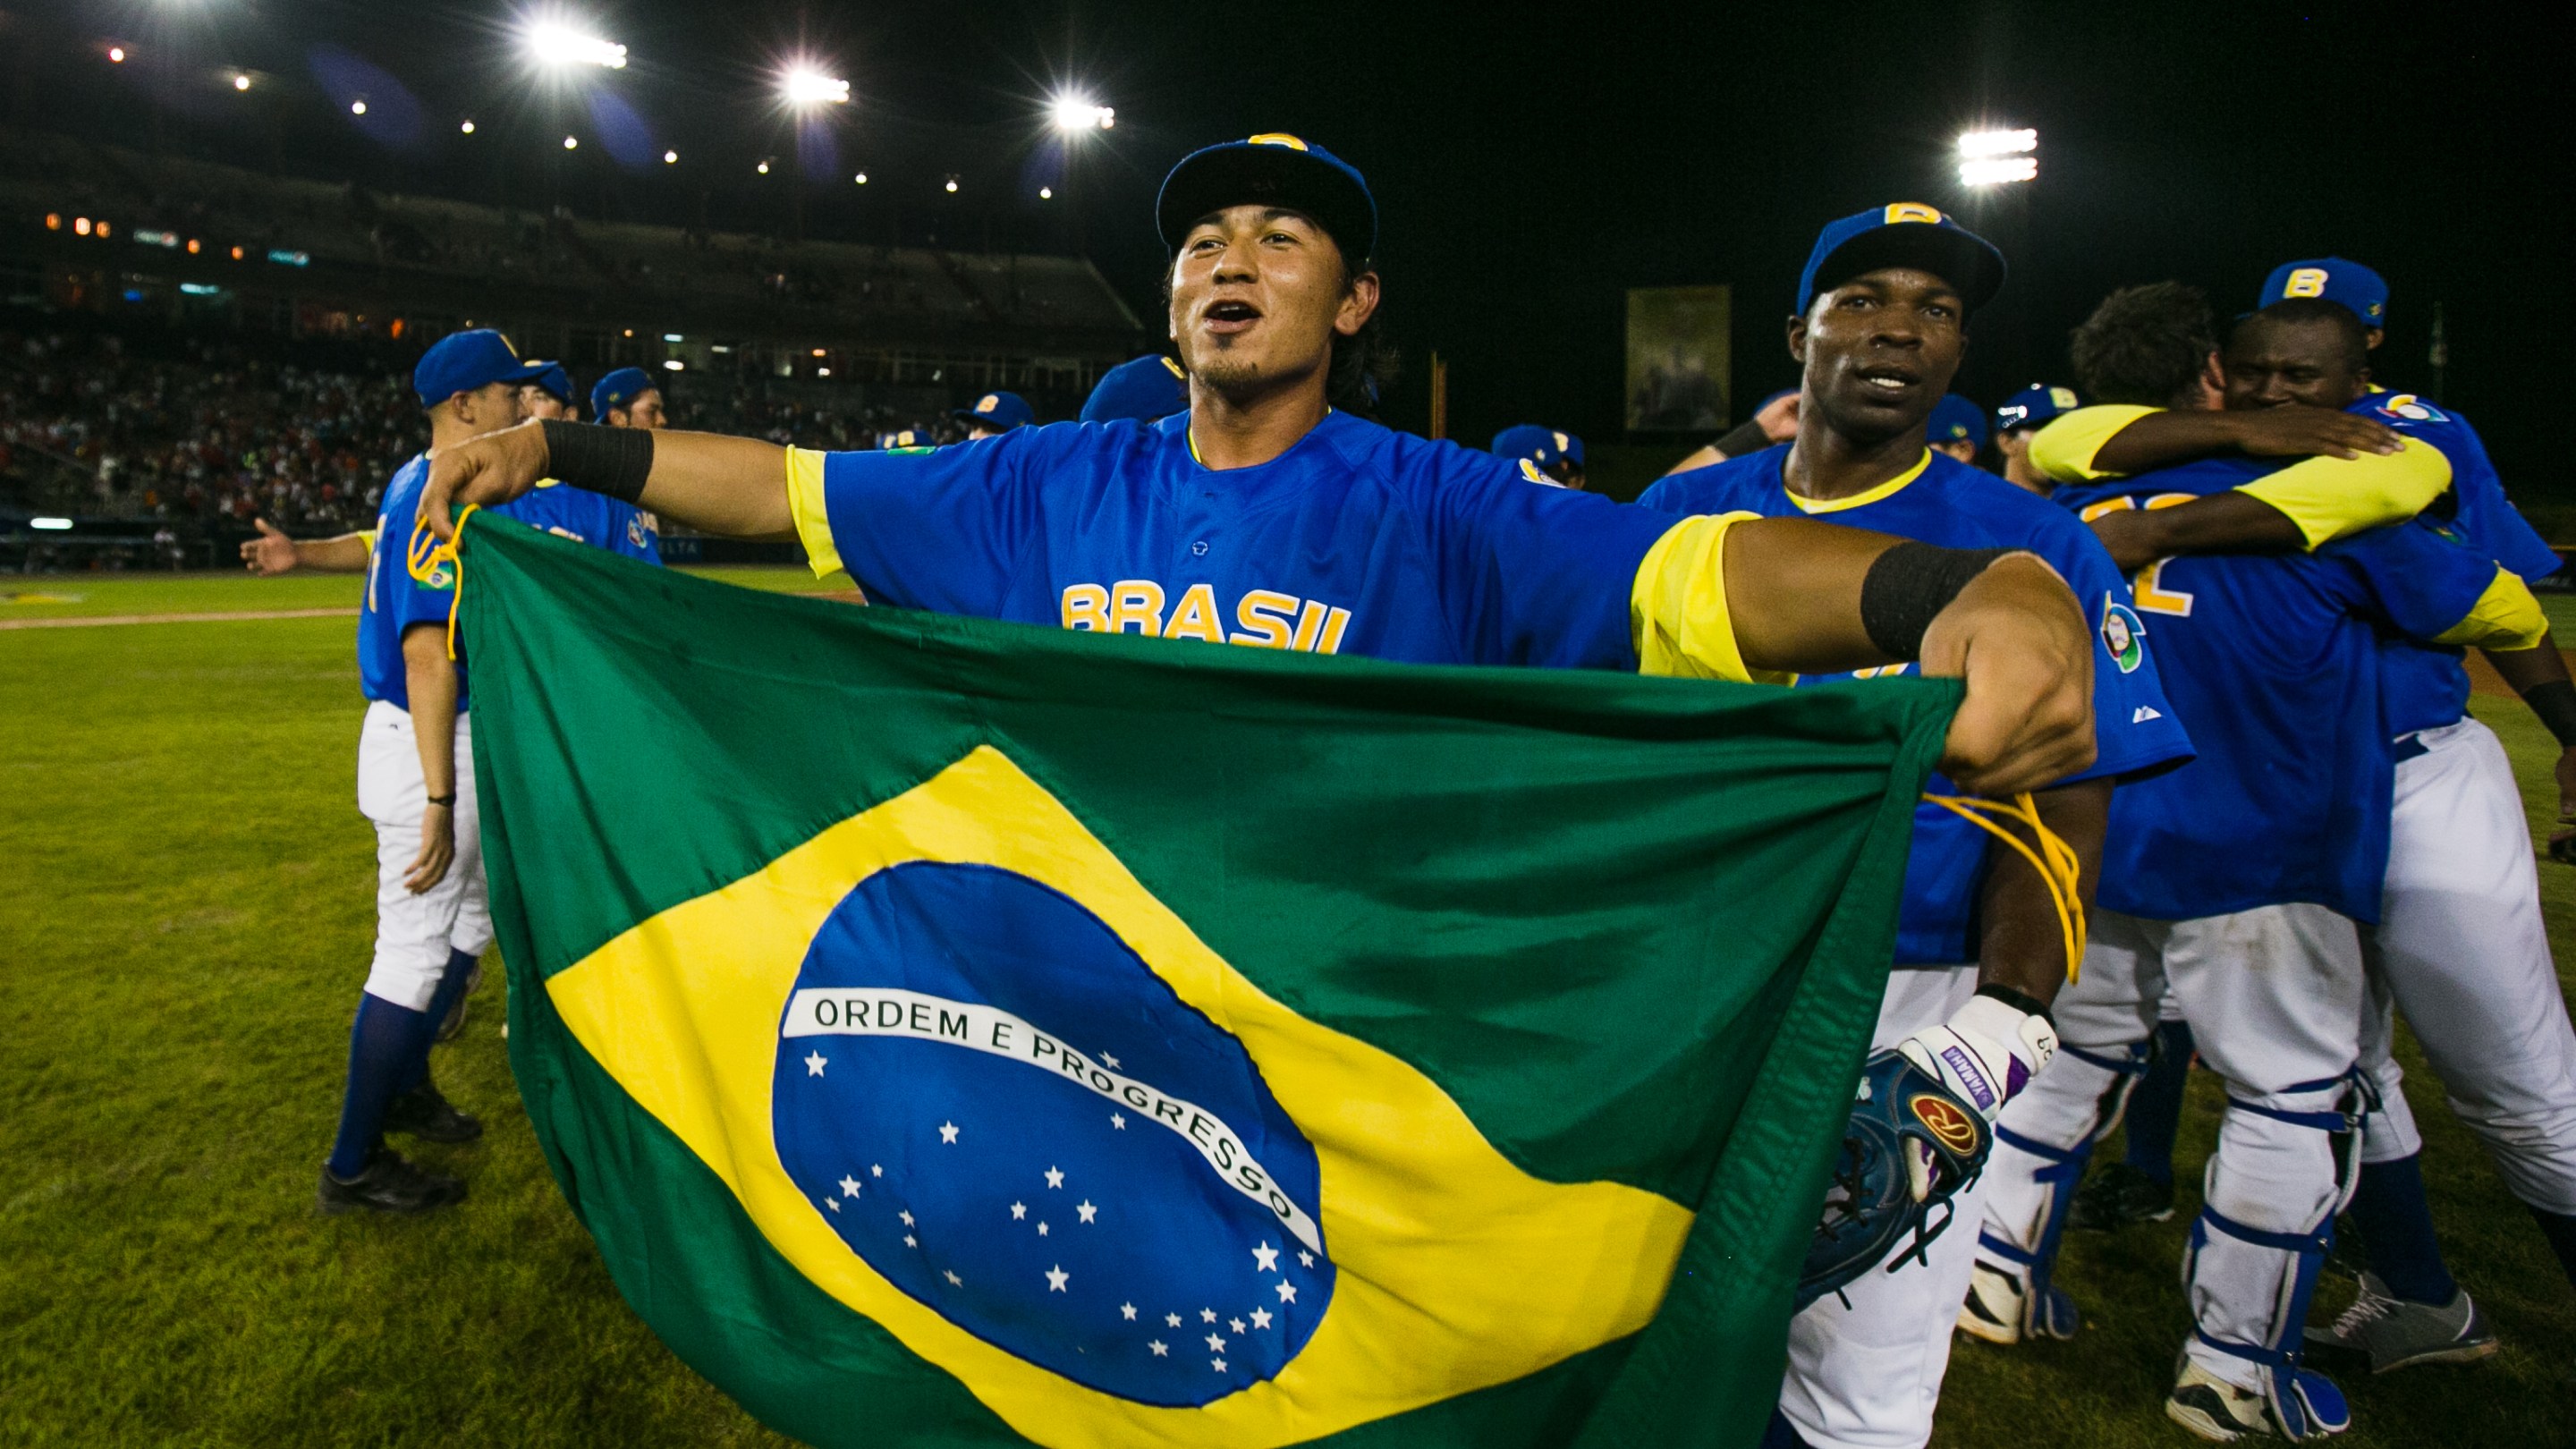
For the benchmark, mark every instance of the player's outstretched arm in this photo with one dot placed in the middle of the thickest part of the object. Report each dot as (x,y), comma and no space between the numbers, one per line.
(1812,598)
(274,553)
(2162,439)
(730,487)
(2539,675)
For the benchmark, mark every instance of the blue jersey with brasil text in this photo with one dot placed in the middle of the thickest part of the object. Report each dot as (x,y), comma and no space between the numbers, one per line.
(1948,503)
(1356,540)
(396,601)
(2274,661)
(2425,685)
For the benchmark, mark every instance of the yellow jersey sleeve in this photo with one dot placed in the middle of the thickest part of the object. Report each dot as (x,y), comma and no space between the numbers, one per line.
(2507,617)
(367,537)
(2064,450)
(2331,498)
(1677,607)
(805,501)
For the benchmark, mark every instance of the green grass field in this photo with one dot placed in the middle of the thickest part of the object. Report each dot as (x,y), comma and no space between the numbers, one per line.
(185,911)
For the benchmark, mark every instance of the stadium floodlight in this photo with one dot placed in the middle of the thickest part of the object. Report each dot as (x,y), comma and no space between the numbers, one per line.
(357,108)
(572,143)
(467,128)
(804,87)
(861,178)
(50,525)
(762,168)
(670,158)
(1046,193)
(674,365)
(951,187)
(1074,114)
(241,82)
(1995,158)
(555,46)
(116,55)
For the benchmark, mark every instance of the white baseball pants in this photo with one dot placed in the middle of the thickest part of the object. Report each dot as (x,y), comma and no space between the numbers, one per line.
(414,933)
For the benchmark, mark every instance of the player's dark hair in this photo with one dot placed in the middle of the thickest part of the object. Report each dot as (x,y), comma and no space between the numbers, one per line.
(2145,345)
(2350,330)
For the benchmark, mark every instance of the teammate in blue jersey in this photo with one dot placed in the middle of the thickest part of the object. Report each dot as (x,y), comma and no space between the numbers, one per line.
(1879,335)
(1957,429)
(2235,886)
(1147,389)
(1269,515)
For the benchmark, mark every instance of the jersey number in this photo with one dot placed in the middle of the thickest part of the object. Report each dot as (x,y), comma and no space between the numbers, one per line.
(2149,585)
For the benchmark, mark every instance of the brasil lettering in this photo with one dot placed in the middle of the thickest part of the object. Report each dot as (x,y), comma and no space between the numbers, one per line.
(844,1011)
(1264,618)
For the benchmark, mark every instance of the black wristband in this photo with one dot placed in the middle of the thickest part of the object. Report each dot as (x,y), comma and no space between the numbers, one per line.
(2554,700)
(1910,583)
(448,799)
(614,461)
(2021,1001)
(1744,440)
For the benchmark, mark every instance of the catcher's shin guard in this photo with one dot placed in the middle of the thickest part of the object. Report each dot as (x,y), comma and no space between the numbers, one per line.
(2042,1308)
(2304,1403)
(1909,1147)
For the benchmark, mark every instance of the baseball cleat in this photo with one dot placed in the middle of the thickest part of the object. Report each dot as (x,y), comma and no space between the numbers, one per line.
(2000,1309)
(389,1184)
(2397,1333)
(2215,1409)
(425,1113)
(2117,1196)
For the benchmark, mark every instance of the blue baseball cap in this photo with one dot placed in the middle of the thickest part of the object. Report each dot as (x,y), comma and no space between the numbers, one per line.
(1000,411)
(556,382)
(1147,389)
(618,389)
(1281,170)
(908,438)
(1532,442)
(2034,406)
(1905,234)
(1956,420)
(2335,280)
(464,361)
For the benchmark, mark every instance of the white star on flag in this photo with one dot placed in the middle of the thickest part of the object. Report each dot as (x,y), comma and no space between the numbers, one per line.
(1235,1323)
(1127,1311)
(1055,1177)
(849,1186)
(1261,1318)
(907,1218)
(1305,1259)
(1287,1292)
(1118,1120)
(910,1241)
(1019,1210)
(953,1279)
(1056,1278)
(876,1170)
(1207,1315)
(814,1064)
(1218,1364)
(1112,1061)
(1087,1210)
(948,1132)
(1157,1346)
(1042,1230)
(1172,1320)
(1265,1259)
(833,1203)
(1215,1344)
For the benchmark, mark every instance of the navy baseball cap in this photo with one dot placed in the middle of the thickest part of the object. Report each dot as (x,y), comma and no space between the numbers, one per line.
(464,361)
(908,438)
(2035,406)
(1147,389)
(556,382)
(2335,280)
(1277,169)
(1000,411)
(1957,420)
(1543,446)
(618,389)
(1905,234)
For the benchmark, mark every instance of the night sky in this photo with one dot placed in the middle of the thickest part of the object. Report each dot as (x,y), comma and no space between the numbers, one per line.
(1529,170)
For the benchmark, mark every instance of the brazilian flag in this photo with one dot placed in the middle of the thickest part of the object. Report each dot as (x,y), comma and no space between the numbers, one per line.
(961,1033)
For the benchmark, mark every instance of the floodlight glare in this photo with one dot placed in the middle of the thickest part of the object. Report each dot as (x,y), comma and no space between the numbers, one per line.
(357,108)
(572,143)
(1995,170)
(862,178)
(467,128)
(1046,193)
(670,158)
(557,47)
(952,186)
(805,86)
(1074,114)
(241,82)
(1998,143)
(116,54)
(50,525)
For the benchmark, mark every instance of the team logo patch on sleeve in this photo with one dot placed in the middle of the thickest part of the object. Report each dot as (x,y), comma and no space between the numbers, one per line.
(2123,635)
(2412,408)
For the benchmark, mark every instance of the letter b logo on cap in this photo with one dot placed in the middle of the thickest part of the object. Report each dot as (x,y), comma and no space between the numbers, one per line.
(2305,282)
(1912,211)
